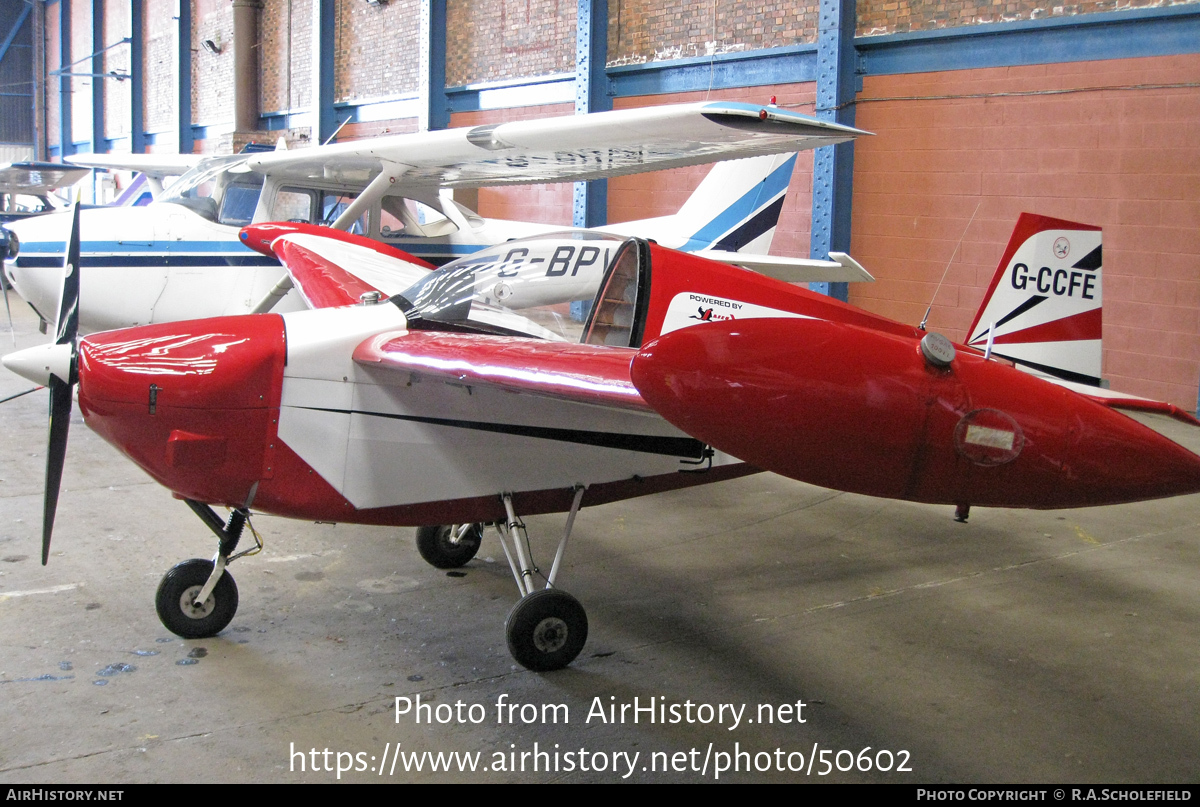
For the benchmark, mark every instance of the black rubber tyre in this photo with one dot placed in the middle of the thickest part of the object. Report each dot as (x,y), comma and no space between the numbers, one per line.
(546,630)
(440,552)
(174,600)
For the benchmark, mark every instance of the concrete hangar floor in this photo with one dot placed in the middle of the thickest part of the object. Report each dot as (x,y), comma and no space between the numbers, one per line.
(1021,647)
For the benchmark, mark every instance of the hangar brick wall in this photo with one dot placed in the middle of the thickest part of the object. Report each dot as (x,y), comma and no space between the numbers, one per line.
(117,94)
(897,16)
(1126,160)
(53,60)
(491,40)
(159,68)
(377,49)
(212,73)
(285,63)
(652,31)
(81,88)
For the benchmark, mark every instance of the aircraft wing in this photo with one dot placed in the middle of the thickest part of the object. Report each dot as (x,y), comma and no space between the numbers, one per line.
(38,177)
(314,258)
(563,149)
(155,165)
(842,269)
(590,374)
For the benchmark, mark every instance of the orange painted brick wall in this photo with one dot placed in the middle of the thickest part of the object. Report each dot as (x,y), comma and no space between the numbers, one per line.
(897,16)
(1127,160)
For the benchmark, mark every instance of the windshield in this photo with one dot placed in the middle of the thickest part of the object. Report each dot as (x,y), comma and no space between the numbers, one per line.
(538,287)
(204,189)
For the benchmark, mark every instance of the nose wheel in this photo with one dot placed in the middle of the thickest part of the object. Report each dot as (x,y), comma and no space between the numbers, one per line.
(198,598)
(179,608)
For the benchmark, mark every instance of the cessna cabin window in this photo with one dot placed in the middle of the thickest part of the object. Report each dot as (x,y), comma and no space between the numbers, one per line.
(399,216)
(314,206)
(537,287)
(24,203)
(205,189)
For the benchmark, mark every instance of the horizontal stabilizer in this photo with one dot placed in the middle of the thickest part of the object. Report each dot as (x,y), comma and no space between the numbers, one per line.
(842,269)
(587,374)
(1123,400)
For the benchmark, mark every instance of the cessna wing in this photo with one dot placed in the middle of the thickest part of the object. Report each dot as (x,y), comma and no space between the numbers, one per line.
(38,177)
(153,165)
(563,149)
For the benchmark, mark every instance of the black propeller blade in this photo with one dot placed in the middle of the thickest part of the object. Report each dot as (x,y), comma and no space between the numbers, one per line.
(66,329)
(8,249)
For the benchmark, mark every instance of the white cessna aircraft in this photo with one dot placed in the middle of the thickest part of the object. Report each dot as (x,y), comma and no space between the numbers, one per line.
(180,257)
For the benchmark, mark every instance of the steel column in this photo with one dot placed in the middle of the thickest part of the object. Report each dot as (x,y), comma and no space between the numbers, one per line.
(324,117)
(183,76)
(97,22)
(591,95)
(65,144)
(833,166)
(137,77)
(435,112)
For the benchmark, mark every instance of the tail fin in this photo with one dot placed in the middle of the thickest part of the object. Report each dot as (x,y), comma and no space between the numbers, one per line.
(1043,307)
(734,209)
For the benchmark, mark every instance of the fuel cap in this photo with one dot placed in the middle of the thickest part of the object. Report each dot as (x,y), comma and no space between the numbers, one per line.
(937,349)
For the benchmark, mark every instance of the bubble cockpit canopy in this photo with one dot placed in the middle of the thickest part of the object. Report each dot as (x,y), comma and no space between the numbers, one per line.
(568,287)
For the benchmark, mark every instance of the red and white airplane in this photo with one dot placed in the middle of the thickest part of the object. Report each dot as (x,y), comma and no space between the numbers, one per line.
(471,397)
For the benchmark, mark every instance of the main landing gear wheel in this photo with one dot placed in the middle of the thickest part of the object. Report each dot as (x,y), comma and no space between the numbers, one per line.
(175,601)
(449,546)
(546,630)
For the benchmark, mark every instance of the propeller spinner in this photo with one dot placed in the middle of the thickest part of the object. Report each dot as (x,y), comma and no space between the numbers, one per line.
(54,366)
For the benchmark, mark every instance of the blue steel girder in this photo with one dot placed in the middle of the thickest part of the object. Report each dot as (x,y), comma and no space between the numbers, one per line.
(65,146)
(323,115)
(97,25)
(183,77)
(591,95)
(435,107)
(833,166)
(137,73)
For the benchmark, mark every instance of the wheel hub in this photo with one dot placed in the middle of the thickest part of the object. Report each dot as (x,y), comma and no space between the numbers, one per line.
(187,604)
(550,635)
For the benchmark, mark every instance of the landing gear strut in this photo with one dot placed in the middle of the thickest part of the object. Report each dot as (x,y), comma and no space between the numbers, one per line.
(198,598)
(547,628)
